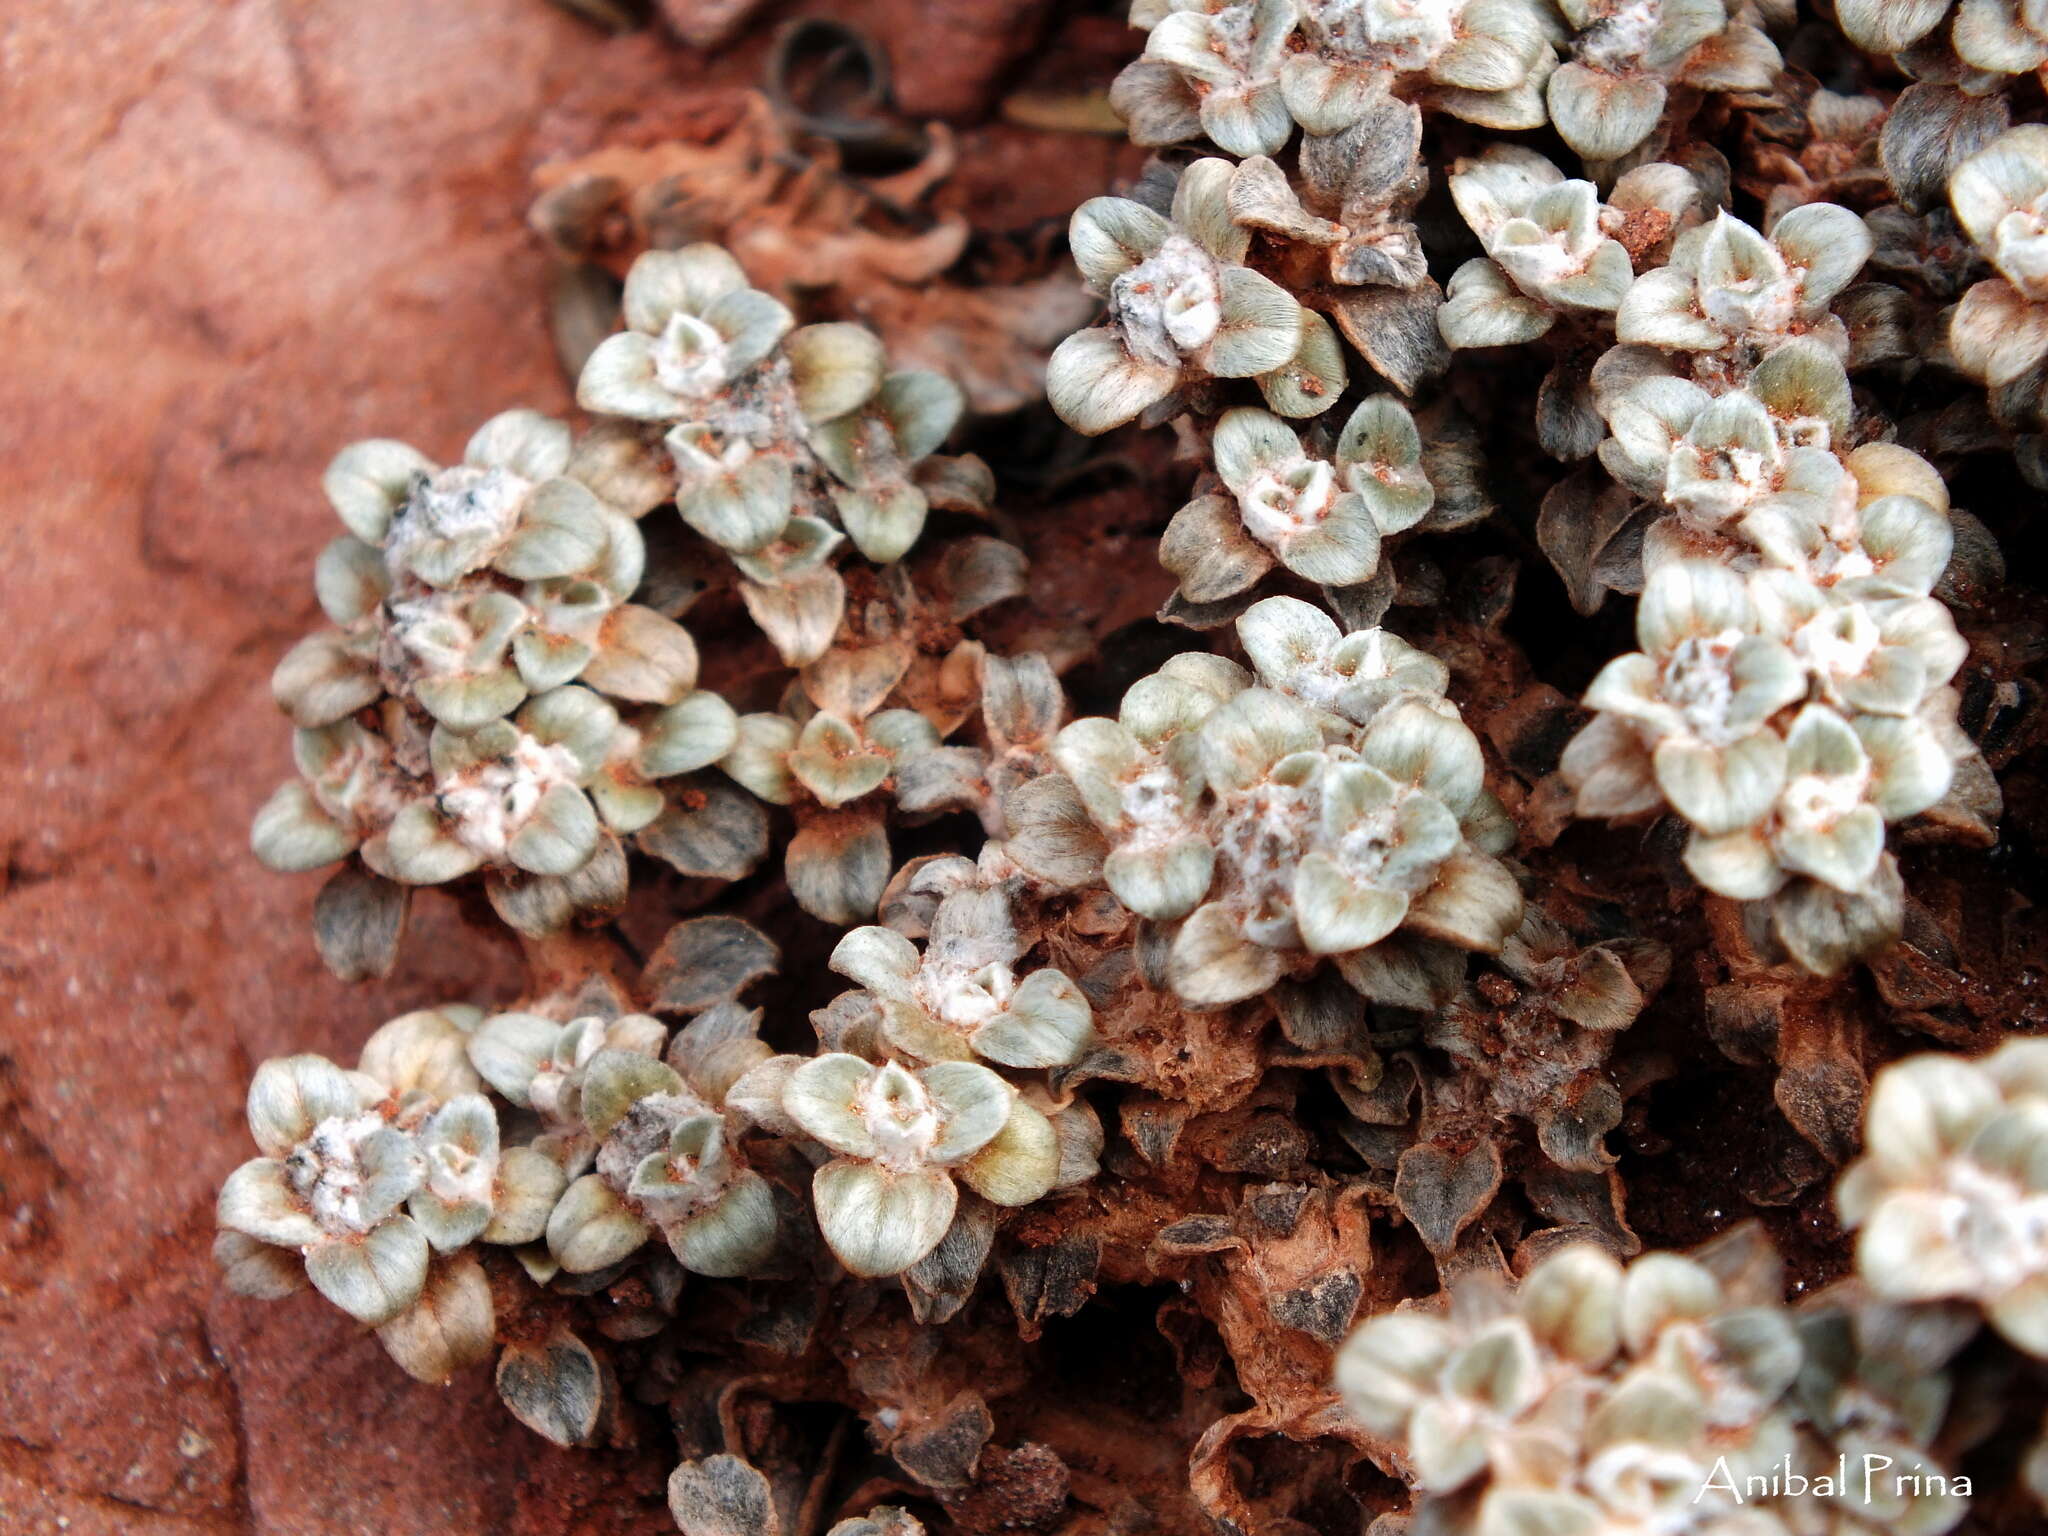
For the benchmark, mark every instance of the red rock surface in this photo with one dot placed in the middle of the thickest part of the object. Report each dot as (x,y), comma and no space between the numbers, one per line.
(235,236)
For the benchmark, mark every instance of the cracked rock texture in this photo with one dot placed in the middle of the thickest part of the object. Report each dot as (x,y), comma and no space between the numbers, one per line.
(237,234)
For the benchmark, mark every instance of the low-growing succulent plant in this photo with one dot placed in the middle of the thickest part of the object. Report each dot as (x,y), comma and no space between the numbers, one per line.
(694,329)
(491,701)
(1321,518)
(332,1183)
(1547,250)
(1729,295)
(376,1178)
(1948,1199)
(664,1165)
(540,1065)
(1022,708)
(1293,984)
(1183,307)
(961,998)
(1210,67)
(465,590)
(1245,74)
(2000,329)
(1625,57)
(778,443)
(1343,214)
(1675,1391)
(900,1139)
(1230,813)
(1541,1041)
(833,765)
(1560,261)
(1485,61)
(1786,749)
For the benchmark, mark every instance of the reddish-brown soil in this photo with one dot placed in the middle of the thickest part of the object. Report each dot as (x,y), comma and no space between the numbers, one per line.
(235,236)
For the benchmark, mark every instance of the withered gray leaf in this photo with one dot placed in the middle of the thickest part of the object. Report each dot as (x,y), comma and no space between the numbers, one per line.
(1827,930)
(980,572)
(721,1496)
(882,1520)
(1277,1208)
(358,919)
(1395,330)
(1567,424)
(1486,590)
(1932,129)
(1442,1192)
(1404,972)
(711,829)
(532,905)
(940,1283)
(838,866)
(851,1022)
(1967,815)
(1588,1200)
(1053,1281)
(583,309)
(852,682)
(1321,1309)
(1154,1126)
(1364,604)
(1178,610)
(555,1388)
(942,1454)
(1976,569)
(914,892)
(1581,515)
(598,889)
(706,960)
(1573,1133)
(1454,460)
(783,1317)
(1880,321)
(597,996)
(1192,1236)
(1104,1063)
(570,215)
(1390,257)
(1322,1015)
(1821,1081)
